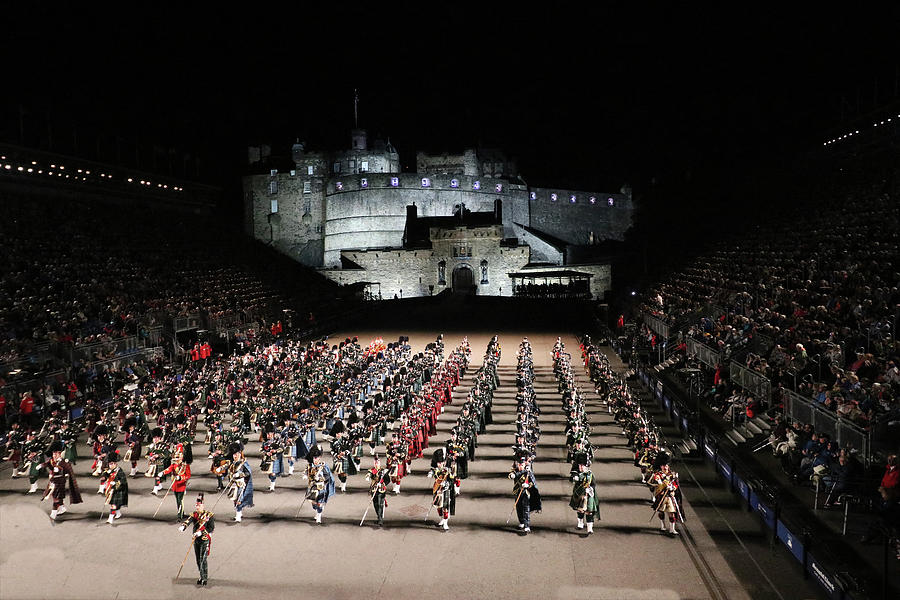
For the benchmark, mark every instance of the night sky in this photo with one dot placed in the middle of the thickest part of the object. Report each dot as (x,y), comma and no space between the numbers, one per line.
(583,98)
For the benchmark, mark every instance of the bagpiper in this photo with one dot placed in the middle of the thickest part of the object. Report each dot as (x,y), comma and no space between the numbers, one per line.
(32,455)
(99,449)
(240,486)
(442,497)
(341,455)
(133,441)
(158,456)
(181,473)
(115,486)
(203,523)
(667,502)
(528,497)
(378,477)
(584,497)
(321,482)
(272,462)
(62,480)
(396,461)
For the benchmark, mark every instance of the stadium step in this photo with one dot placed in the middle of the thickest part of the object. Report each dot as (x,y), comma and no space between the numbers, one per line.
(753,428)
(735,437)
(761,423)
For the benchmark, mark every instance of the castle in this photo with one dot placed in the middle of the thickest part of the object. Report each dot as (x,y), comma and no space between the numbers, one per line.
(466,222)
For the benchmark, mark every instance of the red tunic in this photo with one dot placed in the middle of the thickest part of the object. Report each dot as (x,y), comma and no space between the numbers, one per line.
(181,473)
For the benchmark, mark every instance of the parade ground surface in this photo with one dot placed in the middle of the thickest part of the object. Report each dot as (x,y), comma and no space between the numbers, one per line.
(274,553)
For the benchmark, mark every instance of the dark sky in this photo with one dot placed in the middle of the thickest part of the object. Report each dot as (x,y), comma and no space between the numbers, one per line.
(584,98)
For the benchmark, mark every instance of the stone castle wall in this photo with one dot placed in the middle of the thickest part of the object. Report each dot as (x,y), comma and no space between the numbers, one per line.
(408,273)
(574,215)
(369,211)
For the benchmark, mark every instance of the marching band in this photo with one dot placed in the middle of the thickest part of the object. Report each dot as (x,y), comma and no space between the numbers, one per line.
(352,396)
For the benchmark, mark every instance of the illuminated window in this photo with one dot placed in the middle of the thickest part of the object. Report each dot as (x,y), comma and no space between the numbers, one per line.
(364,166)
(454,183)
(476,185)
(498,188)
(274,205)
(273,187)
(426,182)
(272,172)
(307,187)
(337,167)
(395,181)
(363,183)
(310,170)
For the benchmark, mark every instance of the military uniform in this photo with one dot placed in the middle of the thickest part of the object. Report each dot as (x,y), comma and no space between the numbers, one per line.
(62,480)
(240,487)
(116,487)
(667,499)
(378,478)
(203,524)
(321,482)
(584,498)
(181,473)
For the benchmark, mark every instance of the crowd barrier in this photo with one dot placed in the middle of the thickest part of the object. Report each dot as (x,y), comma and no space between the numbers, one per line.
(656,325)
(187,322)
(707,355)
(755,383)
(798,409)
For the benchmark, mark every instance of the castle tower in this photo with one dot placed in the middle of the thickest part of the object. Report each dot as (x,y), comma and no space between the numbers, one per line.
(359,139)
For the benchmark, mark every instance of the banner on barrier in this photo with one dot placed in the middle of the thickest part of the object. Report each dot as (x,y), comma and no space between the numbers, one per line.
(742,487)
(765,512)
(724,467)
(825,579)
(791,541)
(709,449)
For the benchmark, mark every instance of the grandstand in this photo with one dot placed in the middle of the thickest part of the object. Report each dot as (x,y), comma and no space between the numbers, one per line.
(757,343)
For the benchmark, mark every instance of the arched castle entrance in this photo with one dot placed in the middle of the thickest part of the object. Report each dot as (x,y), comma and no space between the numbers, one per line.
(463,280)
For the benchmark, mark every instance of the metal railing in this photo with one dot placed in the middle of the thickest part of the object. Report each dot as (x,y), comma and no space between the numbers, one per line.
(194,321)
(109,349)
(755,383)
(798,409)
(657,325)
(707,355)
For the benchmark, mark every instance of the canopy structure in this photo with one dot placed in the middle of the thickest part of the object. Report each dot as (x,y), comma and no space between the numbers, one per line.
(562,283)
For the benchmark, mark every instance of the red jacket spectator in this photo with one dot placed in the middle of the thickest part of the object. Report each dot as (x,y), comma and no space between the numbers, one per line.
(195,352)
(26,407)
(891,479)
